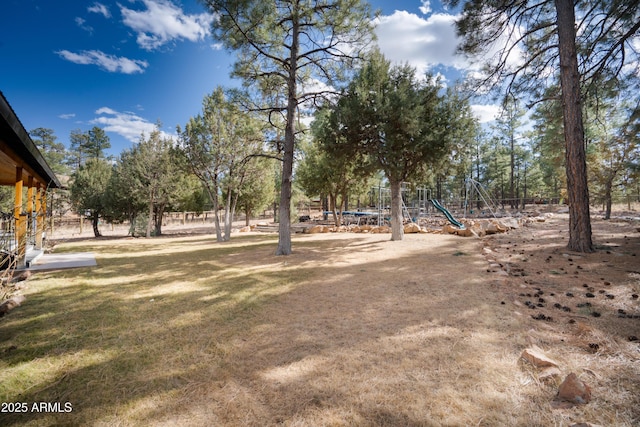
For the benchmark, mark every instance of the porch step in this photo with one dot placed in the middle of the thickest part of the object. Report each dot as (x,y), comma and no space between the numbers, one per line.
(32,256)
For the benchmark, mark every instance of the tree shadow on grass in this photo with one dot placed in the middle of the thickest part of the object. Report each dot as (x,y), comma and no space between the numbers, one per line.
(233,335)
(125,317)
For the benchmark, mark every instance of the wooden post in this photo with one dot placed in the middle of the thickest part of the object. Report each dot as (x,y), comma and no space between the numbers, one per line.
(20,221)
(44,211)
(29,210)
(40,216)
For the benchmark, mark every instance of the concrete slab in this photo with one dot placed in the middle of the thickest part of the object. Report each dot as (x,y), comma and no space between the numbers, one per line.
(62,261)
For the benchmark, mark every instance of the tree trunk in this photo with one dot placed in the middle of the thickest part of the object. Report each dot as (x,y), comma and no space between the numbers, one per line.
(333,209)
(325,207)
(607,197)
(284,226)
(397,229)
(157,219)
(150,219)
(213,197)
(95,220)
(512,196)
(228,218)
(132,225)
(524,198)
(576,164)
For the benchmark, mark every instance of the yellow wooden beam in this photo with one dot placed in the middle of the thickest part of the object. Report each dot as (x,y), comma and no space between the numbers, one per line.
(21,221)
(40,216)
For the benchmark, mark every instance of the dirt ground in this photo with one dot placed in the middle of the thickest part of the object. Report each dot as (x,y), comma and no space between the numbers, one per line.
(429,332)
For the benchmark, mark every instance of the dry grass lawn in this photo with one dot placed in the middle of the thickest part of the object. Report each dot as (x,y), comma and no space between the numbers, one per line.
(350,330)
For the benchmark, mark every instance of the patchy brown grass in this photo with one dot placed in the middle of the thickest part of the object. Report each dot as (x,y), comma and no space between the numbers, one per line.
(349,330)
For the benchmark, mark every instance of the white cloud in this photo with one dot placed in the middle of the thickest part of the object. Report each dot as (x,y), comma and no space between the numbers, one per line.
(425,7)
(111,63)
(80,22)
(485,113)
(163,22)
(405,37)
(67,116)
(101,9)
(126,124)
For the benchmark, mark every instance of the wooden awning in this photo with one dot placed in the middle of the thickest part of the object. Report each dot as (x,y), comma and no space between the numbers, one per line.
(17,150)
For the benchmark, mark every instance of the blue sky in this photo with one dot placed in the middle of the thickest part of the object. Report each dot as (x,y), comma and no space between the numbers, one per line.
(126,65)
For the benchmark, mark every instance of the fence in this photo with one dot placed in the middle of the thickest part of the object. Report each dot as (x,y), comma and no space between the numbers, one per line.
(169,218)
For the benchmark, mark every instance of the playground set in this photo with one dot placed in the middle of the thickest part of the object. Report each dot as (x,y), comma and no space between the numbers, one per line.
(418,206)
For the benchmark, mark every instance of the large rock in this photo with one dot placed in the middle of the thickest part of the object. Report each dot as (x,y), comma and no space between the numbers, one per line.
(511,223)
(574,391)
(11,303)
(466,232)
(412,227)
(380,229)
(500,226)
(537,358)
(315,229)
(449,229)
(478,229)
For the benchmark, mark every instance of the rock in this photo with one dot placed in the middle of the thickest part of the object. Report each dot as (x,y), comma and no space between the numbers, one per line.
(21,277)
(11,303)
(380,229)
(412,227)
(315,229)
(449,229)
(466,232)
(537,358)
(511,223)
(573,390)
(501,228)
(490,228)
(478,229)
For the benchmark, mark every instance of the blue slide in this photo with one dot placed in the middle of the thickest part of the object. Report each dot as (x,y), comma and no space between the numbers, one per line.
(446,213)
